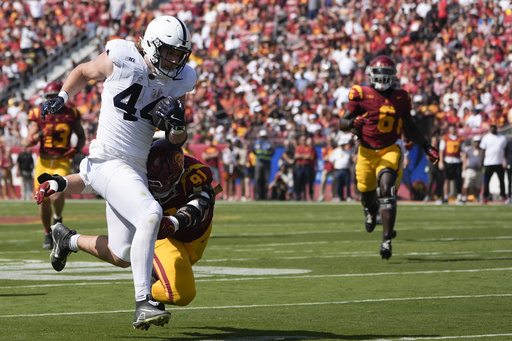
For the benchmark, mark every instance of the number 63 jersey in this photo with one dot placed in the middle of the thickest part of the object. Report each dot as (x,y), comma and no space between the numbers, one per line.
(125,127)
(379,118)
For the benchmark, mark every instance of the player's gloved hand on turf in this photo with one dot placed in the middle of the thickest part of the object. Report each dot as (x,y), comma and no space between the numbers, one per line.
(432,153)
(51,106)
(49,184)
(173,112)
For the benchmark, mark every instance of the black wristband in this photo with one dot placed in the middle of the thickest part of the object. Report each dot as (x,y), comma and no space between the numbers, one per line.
(40,134)
(183,219)
(62,183)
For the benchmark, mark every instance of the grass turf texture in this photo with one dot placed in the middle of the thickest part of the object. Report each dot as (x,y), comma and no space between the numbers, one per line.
(277,271)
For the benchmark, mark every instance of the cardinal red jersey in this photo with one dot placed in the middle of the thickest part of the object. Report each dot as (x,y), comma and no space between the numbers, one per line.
(195,176)
(381,117)
(57,129)
(453,146)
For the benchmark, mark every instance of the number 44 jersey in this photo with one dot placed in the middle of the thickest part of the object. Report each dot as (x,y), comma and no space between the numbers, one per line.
(125,127)
(381,116)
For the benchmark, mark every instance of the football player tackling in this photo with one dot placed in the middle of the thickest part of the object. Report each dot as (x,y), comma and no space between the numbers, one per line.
(376,114)
(183,187)
(137,78)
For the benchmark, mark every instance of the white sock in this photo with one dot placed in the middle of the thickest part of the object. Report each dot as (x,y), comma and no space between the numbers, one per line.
(73,242)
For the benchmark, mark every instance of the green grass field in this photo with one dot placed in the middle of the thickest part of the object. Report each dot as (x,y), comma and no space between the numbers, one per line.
(277,271)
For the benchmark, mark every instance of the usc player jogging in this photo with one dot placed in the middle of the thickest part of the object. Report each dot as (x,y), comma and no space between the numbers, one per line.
(377,114)
(55,152)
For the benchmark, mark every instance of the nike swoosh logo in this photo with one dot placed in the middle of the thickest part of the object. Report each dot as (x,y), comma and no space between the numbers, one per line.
(202,241)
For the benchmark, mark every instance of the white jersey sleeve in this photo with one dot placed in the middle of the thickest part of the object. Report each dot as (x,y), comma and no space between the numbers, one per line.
(125,128)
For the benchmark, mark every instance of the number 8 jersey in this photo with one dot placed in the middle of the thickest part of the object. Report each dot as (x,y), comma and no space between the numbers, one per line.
(129,94)
(379,117)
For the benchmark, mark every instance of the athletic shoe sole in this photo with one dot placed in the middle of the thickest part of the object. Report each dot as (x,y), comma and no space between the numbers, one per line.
(160,320)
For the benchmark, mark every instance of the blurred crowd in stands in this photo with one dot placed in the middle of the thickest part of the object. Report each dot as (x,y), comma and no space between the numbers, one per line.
(286,66)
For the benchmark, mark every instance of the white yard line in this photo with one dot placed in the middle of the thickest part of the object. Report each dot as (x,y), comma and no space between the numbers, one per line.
(278,305)
(272,277)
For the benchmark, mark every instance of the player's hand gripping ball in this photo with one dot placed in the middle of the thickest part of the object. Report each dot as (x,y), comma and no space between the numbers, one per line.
(168,114)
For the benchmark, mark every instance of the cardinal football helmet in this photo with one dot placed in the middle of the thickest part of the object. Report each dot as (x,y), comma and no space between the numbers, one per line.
(165,168)
(52,89)
(167,35)
(382,73)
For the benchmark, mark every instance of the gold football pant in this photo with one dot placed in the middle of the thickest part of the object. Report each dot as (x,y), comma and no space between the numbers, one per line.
(173,264)
(370,162)
(58,166)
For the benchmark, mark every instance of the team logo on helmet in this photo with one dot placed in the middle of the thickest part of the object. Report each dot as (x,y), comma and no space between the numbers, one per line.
(164,36)
(382,73)
(165,167)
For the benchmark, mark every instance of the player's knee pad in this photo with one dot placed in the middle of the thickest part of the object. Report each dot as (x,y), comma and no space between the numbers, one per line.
(387,204)
(387,170)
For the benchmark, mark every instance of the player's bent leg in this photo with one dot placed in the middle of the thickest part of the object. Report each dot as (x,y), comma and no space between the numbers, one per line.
(45,212)
(371,208)
(98,247)
(387,203)
(172,266)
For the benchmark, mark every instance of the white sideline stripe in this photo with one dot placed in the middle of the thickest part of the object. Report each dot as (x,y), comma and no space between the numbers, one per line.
(356,275)
(277,305)
(277,277)
(444,337)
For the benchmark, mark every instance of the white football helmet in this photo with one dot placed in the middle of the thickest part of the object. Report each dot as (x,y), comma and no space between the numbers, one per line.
(171,33)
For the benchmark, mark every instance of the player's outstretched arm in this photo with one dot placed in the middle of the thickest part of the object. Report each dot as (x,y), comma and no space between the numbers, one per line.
(51,184)
(98,69)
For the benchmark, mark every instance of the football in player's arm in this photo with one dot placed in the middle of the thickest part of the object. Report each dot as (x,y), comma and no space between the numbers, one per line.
(137,78)
(377,114)
(183,187)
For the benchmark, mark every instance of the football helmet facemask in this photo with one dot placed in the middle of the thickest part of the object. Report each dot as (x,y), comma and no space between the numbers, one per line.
(382,73)
(165,37)
(165,168)
(51,90)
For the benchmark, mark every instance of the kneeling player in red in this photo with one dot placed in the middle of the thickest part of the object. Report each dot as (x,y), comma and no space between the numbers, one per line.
(183,187)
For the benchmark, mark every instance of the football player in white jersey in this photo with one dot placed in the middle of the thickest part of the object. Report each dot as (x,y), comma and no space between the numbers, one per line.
(136,76)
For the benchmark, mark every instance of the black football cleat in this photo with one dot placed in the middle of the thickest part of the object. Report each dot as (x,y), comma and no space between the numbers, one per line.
(48,241)
(385,249)
(150,312)
(61,235)
(370,220)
